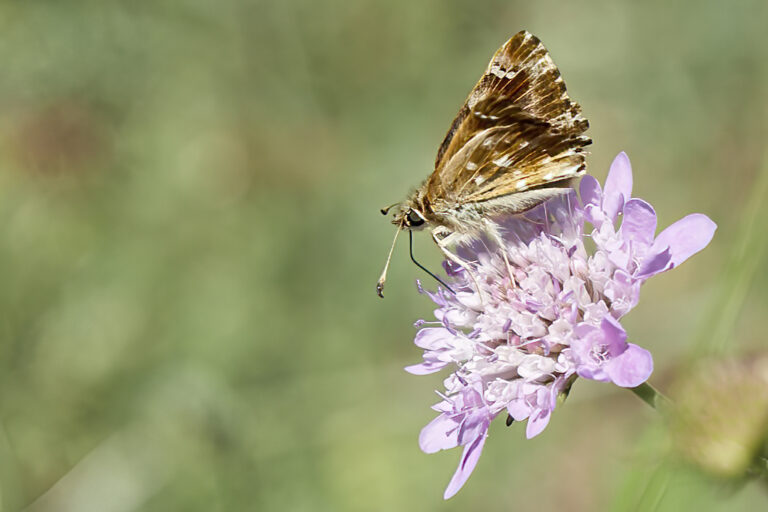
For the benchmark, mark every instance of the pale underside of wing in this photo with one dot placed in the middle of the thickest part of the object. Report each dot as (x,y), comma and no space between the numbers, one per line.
(517,130)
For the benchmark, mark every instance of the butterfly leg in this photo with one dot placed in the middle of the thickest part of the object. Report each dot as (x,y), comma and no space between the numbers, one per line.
(493,233)
(443,242)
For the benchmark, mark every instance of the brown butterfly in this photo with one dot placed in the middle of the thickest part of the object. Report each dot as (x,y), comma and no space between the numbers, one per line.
(517,141)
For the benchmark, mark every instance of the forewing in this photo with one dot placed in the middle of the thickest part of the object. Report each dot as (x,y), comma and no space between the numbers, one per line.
(518,129)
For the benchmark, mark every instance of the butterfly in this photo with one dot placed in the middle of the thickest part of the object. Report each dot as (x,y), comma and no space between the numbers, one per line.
(516,142)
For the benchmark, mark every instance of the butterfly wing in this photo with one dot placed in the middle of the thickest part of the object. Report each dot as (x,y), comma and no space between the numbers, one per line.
(517,130)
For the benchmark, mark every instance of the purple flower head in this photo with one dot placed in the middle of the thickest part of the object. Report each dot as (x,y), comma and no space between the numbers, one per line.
(529,318)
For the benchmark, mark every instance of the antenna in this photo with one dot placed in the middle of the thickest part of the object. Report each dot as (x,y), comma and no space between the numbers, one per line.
(383,278)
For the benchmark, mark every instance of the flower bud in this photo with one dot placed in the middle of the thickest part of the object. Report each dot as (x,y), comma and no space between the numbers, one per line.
(720,419)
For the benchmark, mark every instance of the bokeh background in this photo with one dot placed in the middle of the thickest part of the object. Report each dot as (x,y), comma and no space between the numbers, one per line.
(190,238)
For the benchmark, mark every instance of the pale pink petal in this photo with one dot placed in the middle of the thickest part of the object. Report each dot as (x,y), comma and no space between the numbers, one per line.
(426,367)
(618,186)
(654,264)
(614,335)
(475,424)
(433,338)
(631,368)
(685,237)
(589,191)
(519,409)
(440,434)
(593,373)
(639,224)
(537,422)
(467,464)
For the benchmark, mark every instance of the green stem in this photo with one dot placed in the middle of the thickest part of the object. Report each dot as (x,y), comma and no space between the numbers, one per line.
(651,396)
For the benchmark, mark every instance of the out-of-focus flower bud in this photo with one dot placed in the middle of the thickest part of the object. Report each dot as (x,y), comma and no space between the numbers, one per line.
(720,419)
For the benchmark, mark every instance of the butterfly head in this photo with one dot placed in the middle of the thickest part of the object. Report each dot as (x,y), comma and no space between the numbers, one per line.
(406,216)
(414,219)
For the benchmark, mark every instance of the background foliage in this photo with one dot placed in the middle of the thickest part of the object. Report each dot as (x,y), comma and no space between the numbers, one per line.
(190,238)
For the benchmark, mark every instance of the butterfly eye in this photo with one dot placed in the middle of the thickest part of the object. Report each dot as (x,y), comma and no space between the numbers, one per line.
(414,220)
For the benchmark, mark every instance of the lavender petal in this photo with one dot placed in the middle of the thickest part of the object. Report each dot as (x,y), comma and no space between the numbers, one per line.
(467,464)
(618,186)
(686,237)
(631,368)
(639,224)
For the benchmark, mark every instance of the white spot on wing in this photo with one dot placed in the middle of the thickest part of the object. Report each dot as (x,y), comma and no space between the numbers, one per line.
(498,71)
(471,166)
(521,184)
(568,171)
(490,117)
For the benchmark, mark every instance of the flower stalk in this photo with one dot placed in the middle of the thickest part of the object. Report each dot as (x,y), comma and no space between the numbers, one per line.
(652,396)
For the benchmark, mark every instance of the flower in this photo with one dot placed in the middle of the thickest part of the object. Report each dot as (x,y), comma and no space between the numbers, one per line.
(527,319)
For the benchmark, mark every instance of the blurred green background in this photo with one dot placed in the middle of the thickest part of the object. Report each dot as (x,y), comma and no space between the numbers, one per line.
(190,239)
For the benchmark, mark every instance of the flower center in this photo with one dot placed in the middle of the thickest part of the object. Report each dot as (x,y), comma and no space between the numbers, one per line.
(599,354)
